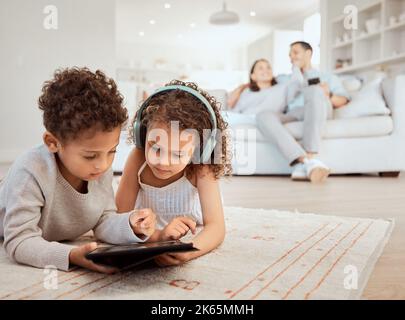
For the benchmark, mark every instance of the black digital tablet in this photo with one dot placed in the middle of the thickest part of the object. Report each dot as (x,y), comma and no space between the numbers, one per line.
(127,256)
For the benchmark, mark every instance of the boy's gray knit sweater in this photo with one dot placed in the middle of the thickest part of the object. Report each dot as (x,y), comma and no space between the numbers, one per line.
(39,208)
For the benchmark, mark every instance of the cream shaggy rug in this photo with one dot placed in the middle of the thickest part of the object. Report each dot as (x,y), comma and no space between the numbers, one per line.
(267,254)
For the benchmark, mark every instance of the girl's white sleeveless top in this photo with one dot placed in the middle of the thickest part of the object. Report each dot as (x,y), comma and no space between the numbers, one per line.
(180,198)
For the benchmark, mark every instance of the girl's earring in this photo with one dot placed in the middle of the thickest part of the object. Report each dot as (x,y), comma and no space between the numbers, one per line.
(57,146)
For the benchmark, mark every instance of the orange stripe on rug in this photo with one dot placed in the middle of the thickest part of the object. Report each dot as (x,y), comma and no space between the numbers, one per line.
(319,262)
(123,276)
(292,263)
(29,296)
(92,282)
(82,286)
(286,254)
(33,285)
(308,294)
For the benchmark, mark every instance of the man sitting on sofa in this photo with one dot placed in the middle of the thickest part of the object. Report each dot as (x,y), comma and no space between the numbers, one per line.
(311,99)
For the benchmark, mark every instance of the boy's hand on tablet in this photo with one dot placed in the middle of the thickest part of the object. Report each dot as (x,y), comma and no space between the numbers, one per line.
(178,228)
(77,257)
(143,222)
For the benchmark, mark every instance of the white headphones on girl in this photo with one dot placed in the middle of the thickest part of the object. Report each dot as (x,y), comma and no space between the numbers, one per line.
(139,130)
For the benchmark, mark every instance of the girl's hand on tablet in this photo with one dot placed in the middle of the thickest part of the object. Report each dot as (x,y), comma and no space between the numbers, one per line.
(172,259)
(143,222)
(178,228)
(77,257)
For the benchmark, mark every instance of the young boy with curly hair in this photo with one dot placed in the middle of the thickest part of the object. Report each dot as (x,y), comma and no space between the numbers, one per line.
(63,188)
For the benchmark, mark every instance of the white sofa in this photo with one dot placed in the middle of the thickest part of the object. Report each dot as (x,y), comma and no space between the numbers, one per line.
(374,144)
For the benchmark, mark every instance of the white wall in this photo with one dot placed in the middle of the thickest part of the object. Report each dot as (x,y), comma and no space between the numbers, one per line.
(148,66)
(145,56)
(29,54)
(260,49)
(275,45)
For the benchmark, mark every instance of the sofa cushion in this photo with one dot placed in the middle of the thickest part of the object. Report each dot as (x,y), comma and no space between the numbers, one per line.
(375,126)
(367,102)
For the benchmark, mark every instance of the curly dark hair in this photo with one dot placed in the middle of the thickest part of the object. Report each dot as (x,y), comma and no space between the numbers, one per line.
(76,100)
(191,113)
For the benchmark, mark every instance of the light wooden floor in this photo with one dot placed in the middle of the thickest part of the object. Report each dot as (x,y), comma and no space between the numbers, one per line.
(352,196)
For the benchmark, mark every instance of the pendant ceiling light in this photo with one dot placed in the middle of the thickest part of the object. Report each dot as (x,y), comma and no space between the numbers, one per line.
(224,17)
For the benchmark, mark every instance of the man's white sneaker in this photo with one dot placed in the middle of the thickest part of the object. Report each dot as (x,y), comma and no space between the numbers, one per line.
(299,173)
(316,170)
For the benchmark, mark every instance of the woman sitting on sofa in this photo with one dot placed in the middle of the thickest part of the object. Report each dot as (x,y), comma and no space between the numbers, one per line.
(261,93)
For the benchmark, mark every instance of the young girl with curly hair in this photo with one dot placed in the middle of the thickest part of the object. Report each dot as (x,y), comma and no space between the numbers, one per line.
(181,153)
